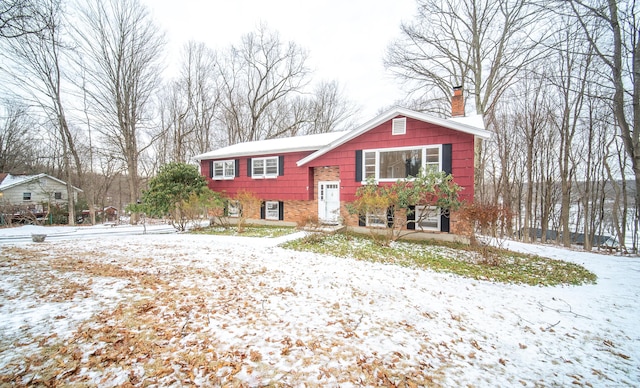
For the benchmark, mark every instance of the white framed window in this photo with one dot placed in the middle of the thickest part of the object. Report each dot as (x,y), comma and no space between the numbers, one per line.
(264,167)
(399,126)
(427,218)
(391,164)
(433,158)
(26,196)
(224,169)
(272,210)
(376,220)
(233,209)
(57,195)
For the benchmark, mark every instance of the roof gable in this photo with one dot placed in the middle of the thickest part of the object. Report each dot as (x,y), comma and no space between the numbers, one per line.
(473,125)
(273,146)
(10,181)
(325,142)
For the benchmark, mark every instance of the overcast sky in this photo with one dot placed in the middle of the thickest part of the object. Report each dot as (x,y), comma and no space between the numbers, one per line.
(346,39)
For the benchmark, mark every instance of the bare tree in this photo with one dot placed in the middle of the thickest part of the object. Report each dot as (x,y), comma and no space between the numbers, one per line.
(36,70)
(16,139)
(569,74)
(531,118)
(616,171)
(22,17)
(480,45)
(257,79)
(188,106)
(505,168)
(612,30)
(121,48)
(329,110)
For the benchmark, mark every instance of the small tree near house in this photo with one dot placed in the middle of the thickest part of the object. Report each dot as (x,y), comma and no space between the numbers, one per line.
(487,219)
(178,192)
(396,203)
(247,204)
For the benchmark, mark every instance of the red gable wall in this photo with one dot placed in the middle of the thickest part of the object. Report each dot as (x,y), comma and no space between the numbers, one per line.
(418,133)
(297,182)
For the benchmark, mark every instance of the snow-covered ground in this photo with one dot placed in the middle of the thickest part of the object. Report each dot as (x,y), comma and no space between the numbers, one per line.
(174,309)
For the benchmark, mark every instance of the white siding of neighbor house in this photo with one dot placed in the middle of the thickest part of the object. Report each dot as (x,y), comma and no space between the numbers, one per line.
(42,190)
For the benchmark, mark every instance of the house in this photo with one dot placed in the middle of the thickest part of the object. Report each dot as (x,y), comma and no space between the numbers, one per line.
(32,193)
(308,177)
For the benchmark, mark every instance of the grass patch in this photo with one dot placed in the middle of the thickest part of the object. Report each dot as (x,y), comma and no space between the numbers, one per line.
(249,231)
(490,264)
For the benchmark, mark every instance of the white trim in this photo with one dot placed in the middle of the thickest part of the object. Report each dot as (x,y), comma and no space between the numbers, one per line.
(272,146)
(19,180)
(320,144)
(267,211)
(264,168)
(382,217)
(399,126)
(233,209)
(455,125)
(377,152)
(224,170)
(418,212)
(322,216)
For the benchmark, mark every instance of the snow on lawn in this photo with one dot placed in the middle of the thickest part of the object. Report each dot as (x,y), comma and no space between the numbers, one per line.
(213,310)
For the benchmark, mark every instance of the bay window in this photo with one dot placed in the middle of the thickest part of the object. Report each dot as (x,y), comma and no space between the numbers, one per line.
(392,164)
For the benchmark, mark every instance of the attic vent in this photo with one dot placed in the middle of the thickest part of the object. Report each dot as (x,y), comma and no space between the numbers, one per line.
(399,126)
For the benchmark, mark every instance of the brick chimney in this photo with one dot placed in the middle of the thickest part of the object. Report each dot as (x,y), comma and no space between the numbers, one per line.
(457,102)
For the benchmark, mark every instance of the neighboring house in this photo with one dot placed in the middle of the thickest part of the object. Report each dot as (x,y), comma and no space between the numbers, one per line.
(308,177)
(33,192)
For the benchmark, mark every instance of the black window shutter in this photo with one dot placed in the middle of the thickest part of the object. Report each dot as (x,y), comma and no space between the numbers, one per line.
(249,167)
(390,216)
(211,169)
(359,166)
(446,158)
(280,210)
(237,162)
(362,220)
(262,210)
(281,165)
(411,218)
(444,221)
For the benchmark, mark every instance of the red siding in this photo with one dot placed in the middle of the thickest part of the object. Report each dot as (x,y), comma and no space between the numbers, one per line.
(418,133)
(293,185)
(297,182)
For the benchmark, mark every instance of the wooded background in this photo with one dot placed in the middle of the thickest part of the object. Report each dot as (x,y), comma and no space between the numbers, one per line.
(83,97)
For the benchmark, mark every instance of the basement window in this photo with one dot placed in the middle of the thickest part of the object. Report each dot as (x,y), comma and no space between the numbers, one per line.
(233,209)
(272,210)
(427,218)
(376,220)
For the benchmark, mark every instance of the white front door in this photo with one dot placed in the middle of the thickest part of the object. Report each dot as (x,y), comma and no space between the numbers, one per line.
(329,202)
